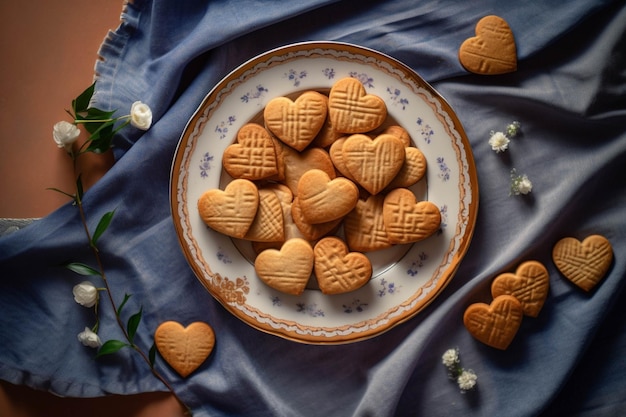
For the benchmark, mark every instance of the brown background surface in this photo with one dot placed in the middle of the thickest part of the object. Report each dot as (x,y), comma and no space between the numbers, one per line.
(48,50)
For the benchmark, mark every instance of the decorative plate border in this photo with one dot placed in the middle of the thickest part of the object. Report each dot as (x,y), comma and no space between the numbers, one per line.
(400,289)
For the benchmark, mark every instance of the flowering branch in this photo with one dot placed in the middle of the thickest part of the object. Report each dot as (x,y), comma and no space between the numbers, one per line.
(102,126)
(520,184)
(465,378)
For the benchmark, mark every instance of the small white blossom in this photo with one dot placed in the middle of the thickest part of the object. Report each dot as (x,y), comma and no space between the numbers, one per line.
(467,380)
(90,339)
(513,129)
(499,142)
(520,184)
(65,134)
(140,115)
(85,294)
(450,358)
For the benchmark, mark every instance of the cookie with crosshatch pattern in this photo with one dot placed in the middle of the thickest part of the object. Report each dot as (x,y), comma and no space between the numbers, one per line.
(253,156)
(296,123)
(337,269)
(352,110)
(494,324)
(583,263)
(492,51)
(373,163)
(529,284)
(407,220)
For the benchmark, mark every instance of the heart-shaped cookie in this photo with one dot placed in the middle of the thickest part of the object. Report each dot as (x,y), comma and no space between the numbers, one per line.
(373,163)
(268,224)
(583,263)
(184,348)
(352,110)
(297,163)
(287,269)
(323,200)
(492,50)
(399,132)
(529,284)
(412,170)
(253,157)
(336,156)
(364,226)
(337,270)
(407,220)
(494,324)
(309,231)
(296,123)
(232,210)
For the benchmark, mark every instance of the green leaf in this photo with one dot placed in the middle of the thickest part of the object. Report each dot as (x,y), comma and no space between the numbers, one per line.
(119,309)
(111,346)
(81,103)
(81,269)
(152,355)
(133,324)
(103,224)
(96,114)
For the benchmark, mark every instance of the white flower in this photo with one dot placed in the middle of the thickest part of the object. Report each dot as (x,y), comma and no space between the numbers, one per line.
(450,358)
(467,380)
(499,142)
(89,338)
(65,134)
(520,184)
(140,115)
(85,294)
(513,129)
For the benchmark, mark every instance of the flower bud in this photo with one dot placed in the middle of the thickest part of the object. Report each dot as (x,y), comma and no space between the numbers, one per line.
(140,115)
(89,338)
(65,134)
(85,294)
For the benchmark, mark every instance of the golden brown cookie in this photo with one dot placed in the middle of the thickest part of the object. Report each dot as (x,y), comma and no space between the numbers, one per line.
(231,211)
(323,199)
(253,157)
(336,156)
(297,163)
(298,122)
(494,324)
(529,284)
(583,263)
(184,348)
(407,220)
(352,110)
(412,170)
(373,163)
(286,198)
(399,132)
(337,270)
(268,224)
(287,270)
(327,134)
(492,50)
(364,227)
(309,231)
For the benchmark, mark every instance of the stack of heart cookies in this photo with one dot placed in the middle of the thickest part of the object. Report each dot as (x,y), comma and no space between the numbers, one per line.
(319,167)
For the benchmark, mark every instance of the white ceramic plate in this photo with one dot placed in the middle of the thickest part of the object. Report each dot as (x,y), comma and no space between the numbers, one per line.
(406,278)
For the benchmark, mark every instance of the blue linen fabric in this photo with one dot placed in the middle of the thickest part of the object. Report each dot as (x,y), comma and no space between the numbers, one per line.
(569,93)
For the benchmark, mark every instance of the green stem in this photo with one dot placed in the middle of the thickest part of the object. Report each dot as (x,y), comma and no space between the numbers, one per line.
(186,409)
